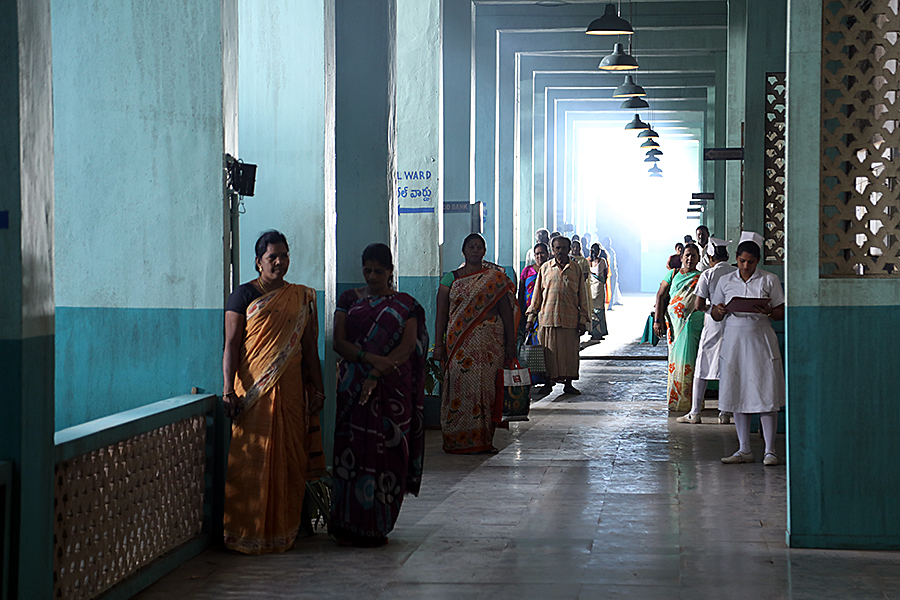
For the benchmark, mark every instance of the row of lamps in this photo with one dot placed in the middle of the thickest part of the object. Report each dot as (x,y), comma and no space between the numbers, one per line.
(612,24)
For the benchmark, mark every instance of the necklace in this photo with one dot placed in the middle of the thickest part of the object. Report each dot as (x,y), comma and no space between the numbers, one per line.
(261,285)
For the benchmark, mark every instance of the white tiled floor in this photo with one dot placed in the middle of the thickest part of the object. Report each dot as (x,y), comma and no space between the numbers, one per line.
(598,496)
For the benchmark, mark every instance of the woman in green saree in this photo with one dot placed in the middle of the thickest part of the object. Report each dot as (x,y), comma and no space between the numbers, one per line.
(675,315)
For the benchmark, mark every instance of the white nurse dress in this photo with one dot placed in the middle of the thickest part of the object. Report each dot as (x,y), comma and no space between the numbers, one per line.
(751,376)
(707,365)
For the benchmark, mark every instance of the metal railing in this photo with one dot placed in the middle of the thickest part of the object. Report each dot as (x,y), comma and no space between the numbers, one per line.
(137,494)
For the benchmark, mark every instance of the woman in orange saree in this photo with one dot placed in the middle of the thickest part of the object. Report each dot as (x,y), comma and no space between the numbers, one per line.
(476,312)
(273,392)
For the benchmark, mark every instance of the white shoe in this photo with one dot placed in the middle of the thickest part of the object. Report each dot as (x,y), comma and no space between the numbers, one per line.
(738,457)
(770,460)
(724,418)
(689,418)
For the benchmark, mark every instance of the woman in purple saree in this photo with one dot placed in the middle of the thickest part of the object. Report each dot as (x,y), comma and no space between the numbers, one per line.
(379,438)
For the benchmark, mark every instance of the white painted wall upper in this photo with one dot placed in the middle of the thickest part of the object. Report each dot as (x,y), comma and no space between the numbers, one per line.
(282,130)
(137,93)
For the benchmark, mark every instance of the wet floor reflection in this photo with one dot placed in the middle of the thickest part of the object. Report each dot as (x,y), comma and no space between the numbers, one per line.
(597,496)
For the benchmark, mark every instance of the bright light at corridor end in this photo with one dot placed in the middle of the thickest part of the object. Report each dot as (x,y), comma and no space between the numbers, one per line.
(614,196)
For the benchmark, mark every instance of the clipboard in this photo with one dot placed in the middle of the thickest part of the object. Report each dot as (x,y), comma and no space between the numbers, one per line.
(746,305)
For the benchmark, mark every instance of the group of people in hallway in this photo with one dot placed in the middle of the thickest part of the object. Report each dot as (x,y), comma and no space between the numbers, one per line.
(597,264)
(273,387)
(717,320)
(274,393)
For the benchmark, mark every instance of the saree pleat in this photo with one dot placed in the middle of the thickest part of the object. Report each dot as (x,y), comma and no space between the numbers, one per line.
(379,446)
(470,406)
(684,326)
(271,453)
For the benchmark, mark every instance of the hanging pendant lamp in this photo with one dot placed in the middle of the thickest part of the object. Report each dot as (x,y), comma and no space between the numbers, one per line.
(654,152)
(651,159)
(636,123)
(648,133)
(628,89)
(656,174)
(655,171)
(619,60)
(651,143)
(610,23)
(635,103)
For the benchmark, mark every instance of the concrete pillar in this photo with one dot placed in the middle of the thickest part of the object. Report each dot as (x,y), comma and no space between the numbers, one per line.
(841,357)
(27,334)
(419,176)
(484,133)
(456,104)
(139,138)
(530,216)
(283,131)
(364,116)
(736,99)
(766,31)
(506,199)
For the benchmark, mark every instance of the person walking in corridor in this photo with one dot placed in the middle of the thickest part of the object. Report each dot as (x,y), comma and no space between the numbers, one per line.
(379,433)
(707,365)
(674,261)
(599,275)
(560,305)
(273,393)
(475,333)
(751,378)
(703,242)
(677,318)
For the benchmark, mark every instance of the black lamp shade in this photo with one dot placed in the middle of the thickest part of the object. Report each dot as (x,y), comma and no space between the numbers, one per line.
(652,159)
(610,23)
(628,89)
(648,133)
(619,60)
(654,152)
(635,103)
(651,143)
(636,123)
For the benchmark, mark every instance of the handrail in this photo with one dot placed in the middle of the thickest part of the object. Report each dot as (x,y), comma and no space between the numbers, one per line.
(93,435)
(82,442)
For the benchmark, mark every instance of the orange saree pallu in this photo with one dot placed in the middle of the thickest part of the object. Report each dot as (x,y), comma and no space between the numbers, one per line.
(470,406)
(275,445)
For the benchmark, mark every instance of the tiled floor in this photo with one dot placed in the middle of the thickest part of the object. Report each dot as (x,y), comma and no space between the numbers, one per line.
(597,496)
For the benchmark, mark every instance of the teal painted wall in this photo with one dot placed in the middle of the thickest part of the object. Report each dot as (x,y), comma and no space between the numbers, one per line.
(843,413)
(116,359)
(138,127)
(27,440)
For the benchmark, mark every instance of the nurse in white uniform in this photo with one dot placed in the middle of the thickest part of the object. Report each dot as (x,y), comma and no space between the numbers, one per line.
(707,365)
(751,377)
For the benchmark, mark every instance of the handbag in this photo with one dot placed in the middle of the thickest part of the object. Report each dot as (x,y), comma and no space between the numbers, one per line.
(533,355)
(514,383)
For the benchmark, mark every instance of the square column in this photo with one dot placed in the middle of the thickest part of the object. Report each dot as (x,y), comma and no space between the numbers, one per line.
(841,356)
(26,273)
(364,89)
(420,164)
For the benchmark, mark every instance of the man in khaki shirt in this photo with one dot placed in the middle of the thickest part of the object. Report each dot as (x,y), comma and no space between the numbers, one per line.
(559,304)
